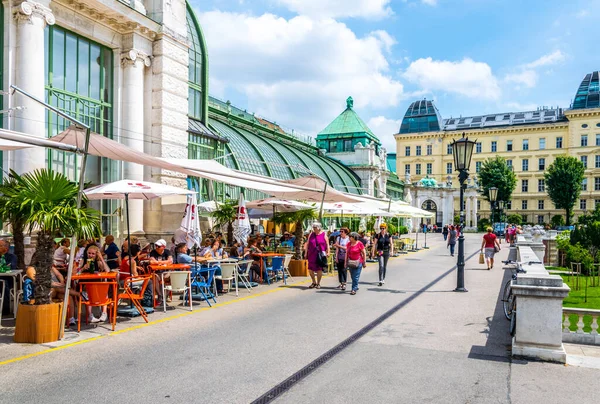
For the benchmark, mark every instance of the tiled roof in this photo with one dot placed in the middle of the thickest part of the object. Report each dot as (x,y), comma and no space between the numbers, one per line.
(348,122)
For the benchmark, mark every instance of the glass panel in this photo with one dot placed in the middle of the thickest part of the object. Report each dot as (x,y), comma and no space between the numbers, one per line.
(71,63)
(95,71)
(58,61)
(84,68)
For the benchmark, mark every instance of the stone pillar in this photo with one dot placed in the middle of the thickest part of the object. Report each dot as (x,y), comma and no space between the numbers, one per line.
(475,211)
(133,63)
(468,215)
(31,20)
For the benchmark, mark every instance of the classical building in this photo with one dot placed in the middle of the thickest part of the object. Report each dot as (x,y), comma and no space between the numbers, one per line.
(137,72)
(529,141)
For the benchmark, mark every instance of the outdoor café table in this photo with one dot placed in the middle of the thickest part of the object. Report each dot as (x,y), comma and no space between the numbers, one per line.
(108,277)
(16,273)
(166,268)
(263,262)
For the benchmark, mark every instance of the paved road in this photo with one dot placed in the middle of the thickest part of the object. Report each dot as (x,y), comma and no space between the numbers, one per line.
(439,346)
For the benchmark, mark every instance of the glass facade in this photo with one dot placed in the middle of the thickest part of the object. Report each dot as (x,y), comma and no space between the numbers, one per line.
(588,93)
(196,68)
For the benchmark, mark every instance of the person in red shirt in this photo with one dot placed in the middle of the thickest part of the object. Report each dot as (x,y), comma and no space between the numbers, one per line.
(491,245)
(355,259)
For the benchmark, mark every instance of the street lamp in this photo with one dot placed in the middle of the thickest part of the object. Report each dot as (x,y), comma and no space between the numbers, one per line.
(462,150)
(501,208)
(493,194)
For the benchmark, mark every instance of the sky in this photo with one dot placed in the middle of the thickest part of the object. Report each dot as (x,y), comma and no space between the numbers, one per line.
(295,62)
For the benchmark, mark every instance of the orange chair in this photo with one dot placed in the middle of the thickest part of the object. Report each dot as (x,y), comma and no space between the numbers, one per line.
(97,296)
(135,298)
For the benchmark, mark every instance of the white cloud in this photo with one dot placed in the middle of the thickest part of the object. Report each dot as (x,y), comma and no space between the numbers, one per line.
(582,13)
(528,78)
(550,59)
(467,77)
(371,9)
(385,128)
(429,2)
(298,71)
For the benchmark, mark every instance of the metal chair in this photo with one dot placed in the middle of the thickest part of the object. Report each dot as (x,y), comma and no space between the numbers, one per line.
(97,293)
(242,274)
(180,283)
(228,274)
(140,283)
(203,284)
(276,267)
(286,268)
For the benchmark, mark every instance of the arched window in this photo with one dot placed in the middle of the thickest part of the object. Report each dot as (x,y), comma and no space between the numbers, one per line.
(198,65)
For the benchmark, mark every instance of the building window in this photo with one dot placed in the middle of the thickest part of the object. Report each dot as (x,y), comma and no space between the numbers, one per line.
(583,140)
(584,161)
(582,204)
(585,125)
(525,164)
(494,146)
(333,146)
(524,185)
(406,168)
(418,169)
(429,168)
(596,203)
(542,143)
(541,185)
(596,184)
(597,139)
(508,205)
(542,164)
(348,145)
(478,147)
(418,151)
(524,205)
(407,151)
(478,204)
(449,150)
(429,150)
(525,144)
(559,142)
(477,166)
(509,145)
(584,184)
(541,204)
(597,165)
(540,218)
(448,168)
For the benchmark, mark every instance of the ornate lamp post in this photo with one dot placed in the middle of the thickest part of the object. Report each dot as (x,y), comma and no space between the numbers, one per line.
(501,205)
(493,194)
(462,150)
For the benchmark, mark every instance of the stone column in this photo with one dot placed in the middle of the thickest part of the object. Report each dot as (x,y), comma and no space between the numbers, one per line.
(468,214)
(31,20)
(475,211)
(133,63)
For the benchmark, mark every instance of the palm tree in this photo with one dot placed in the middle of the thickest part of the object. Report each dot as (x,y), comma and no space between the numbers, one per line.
(10,211)
(48,203)
(298,217)
(225,214)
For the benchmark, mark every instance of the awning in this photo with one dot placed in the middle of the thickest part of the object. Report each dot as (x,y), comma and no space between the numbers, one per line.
(318,185)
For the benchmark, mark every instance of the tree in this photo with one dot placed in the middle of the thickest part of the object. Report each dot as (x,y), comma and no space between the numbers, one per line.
(10,211)
(298,218)
(515,218)
(496,173)
(48,203)
(557,220)
(225,214)
(563,183)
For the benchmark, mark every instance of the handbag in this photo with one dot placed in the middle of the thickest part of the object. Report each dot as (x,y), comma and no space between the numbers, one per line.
(496,248)
(353,264)
(481,258)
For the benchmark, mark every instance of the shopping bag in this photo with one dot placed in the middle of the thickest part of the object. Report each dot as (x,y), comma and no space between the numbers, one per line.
(481,258)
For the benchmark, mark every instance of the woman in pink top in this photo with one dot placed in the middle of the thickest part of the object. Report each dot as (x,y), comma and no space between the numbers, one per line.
(315,246)
(355,259)
(489,243)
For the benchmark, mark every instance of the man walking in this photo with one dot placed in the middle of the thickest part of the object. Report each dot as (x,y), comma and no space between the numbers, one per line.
(382,248)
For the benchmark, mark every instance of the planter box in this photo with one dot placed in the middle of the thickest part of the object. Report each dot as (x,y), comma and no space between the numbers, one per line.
(38,324)
(299,268)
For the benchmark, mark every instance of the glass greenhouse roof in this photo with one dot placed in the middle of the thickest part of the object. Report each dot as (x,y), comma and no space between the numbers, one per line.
(588,93)
(421,116)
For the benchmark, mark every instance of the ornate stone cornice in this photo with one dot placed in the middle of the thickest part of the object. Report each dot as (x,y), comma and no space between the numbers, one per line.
(29,9)
(135,58)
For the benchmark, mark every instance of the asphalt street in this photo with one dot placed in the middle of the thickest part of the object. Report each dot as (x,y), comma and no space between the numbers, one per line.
(438,346)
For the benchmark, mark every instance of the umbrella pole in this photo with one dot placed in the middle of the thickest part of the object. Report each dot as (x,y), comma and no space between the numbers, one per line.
(322,201)
(129,243)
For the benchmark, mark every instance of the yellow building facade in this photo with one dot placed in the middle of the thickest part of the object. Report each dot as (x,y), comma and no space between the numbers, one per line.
(529,141)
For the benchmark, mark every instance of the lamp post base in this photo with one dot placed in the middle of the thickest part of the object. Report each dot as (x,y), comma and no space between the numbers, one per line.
(460,290)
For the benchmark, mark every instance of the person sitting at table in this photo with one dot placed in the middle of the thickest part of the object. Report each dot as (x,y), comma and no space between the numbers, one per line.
(79,249)
(252,251)
(61,254)
(113,255)
(58,292)
(214,252)
(286,240)
(94,263)
(124,270)
(182,256)
(7,260)
(160,255)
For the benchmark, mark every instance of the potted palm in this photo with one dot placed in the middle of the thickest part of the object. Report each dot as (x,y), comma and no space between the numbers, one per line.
(48,202)
(298,265)
(225,214)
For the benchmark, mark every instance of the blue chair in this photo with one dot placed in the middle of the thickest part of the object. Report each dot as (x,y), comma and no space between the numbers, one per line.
(203,283)
(276,267)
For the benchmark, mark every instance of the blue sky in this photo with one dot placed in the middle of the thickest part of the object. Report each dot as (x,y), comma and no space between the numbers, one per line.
(296,61)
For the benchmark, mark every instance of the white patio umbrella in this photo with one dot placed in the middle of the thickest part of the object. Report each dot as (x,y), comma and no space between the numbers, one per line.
(241,226)
(190,224)
(131,189)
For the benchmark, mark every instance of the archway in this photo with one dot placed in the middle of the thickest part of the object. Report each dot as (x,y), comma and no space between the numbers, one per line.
(431,206)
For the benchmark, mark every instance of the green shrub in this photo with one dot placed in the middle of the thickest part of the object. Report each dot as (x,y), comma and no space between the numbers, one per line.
(403,230)
(557,220)
(482,224)
(515,218)
(577,253)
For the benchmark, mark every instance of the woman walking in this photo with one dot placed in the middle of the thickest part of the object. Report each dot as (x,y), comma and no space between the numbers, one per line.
(490,243)
(341,243)
(316,251)
(356,257)
(445,232)
(452,236)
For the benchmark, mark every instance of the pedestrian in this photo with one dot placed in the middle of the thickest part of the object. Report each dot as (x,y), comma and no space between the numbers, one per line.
(341,243)
(356,257)
(445,232)
(452,236)
(491,245)
(316,250)
(382,248)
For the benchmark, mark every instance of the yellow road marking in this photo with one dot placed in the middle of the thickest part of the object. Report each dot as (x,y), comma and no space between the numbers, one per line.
(138,326)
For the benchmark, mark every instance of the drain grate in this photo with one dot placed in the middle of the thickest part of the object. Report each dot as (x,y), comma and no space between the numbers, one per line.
(285,385)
